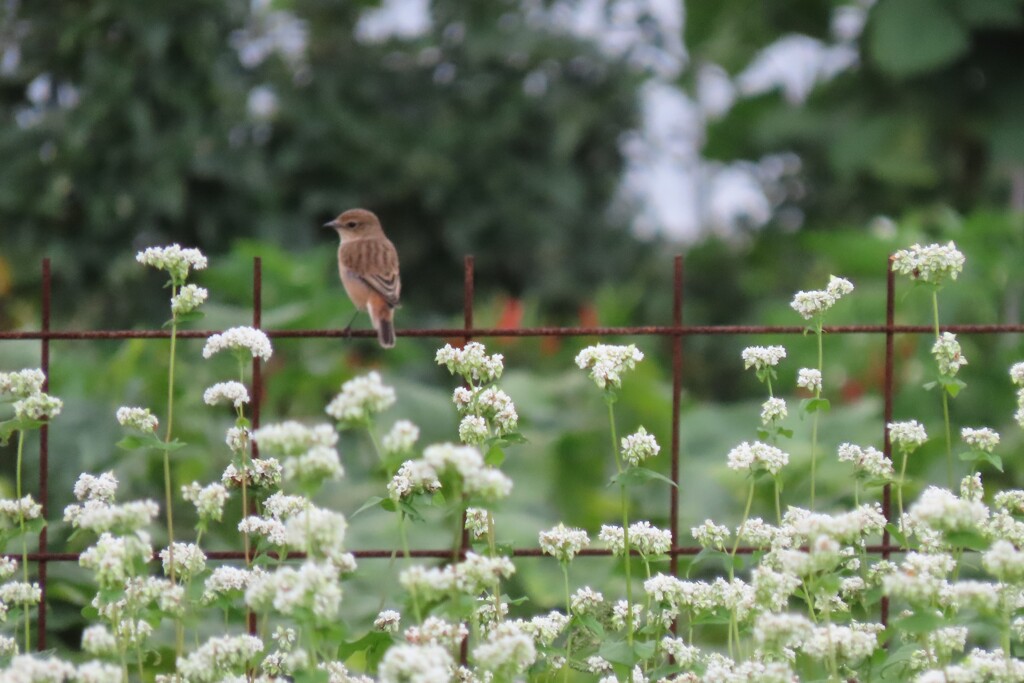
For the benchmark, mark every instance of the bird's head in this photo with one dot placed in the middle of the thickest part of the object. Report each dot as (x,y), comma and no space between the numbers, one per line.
(355,223)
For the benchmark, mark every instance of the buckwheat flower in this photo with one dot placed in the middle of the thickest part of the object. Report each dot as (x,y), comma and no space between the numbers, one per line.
(21,384)
(939,509)
(563,543)
(254,342)
(234,393)
(472,362)
(114,558)
(639,446)
(773,410)
(40,407)
(598,665)
(869,461)
(983,439)
(619,609)
(262,473)
(920,578)
(219,656)
(477,522)
(479,572)
(316,531)
(414,476)
(507,649)
(496,406)
(649,540)
(209,500)
(312,588)
(809,378)
(98,672)
(1011,501)
(607,363)
(757,455)
(613,537)
(463,398)
(23,508)
(772,588)
(907,435)
(360,398)
(812,303)
(188,560)
(473,430)
(188,299)
(971,488)
(428,583)
(1002,525)
(757,533)
(97,516)
(38,669)
(98,641)
(416,664)
(711,535)
(8,565)
(947,354)
(293,438)
(137,418)
(401,438)
(1004,562)
(314,466)
(761,357)
(20,593)
(173,259)
(1016,375)
(270,529)
(227,581)
(846,644)
(437,631)
(586,601)
(932,263)
(487,484)
(337,672)
(779,632)
(388,621)
(545,628)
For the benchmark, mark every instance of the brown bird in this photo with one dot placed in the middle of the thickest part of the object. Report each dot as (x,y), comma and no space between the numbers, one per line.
(368,266)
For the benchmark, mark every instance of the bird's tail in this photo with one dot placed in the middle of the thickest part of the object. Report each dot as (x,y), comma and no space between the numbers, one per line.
(383,320)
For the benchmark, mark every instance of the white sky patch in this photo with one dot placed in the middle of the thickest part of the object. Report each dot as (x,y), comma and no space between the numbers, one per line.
(405,19)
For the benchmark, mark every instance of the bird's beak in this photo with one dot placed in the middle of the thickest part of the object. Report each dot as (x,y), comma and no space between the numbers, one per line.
(330,224)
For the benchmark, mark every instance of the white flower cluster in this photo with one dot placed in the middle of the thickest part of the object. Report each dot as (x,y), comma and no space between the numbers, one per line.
(114,559)
(254,342)
(219,656)
(607,363)
(711,535)
(508,650)
(757,455)
(173,259)
(188,299)
(137,418)
(234,393)
(401,438)
(209,500)
(867,462)
(469,577)
(947,354)
(21,384)
(563,543)
(761,357)
(983,439)
(318,532)
(1017,377)
(313,456)
(261,473)
(940,510)
(478,479)
(472,363)
(645,539)
(921,577)
(414,476)
(484,408)
(773,410)
(21,509)
(227,581)
(361,398)
(416,664)
(810,379)
(104,516)
(932,263)
(183,560)
(312,588)
(639,446)
(816,302)
(437,631)
(907,435)
(39,407)
(388,621)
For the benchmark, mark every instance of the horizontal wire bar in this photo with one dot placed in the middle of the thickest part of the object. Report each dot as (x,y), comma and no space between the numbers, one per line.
(459,332)
(440,553)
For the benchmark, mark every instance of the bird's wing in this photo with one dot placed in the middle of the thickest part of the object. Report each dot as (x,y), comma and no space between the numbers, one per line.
(375,262)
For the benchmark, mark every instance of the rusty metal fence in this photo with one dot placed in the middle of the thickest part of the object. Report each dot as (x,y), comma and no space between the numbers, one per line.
(675,331)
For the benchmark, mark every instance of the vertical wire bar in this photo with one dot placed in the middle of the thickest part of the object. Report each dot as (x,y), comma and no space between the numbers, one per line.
(257,388)
(890,317)
(677,383)
(44,457)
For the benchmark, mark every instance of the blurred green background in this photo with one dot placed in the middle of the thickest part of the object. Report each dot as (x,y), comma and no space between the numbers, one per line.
(573,147)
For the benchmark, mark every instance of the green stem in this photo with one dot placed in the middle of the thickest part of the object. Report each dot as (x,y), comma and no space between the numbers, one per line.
(814,422)
(405,552)
(24,540)
(739,531)
(625,526)
(568,613)
(167,440)
(899,487)
(778,505)
(945,398)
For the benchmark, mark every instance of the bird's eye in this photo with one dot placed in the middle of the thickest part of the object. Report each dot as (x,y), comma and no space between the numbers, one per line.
(351,224)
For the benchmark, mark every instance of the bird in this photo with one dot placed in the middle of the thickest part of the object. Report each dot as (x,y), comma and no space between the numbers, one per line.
(368,267)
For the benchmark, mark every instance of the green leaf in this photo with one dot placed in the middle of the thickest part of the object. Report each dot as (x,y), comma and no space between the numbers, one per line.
(967,539)
(913,37)
(495,456)
(952,385)
(373,501)
(634,476)
(897,535)
(135,441)
(815,405)
(617,652)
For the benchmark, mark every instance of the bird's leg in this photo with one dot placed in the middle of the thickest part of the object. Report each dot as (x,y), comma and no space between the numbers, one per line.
(348,328)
